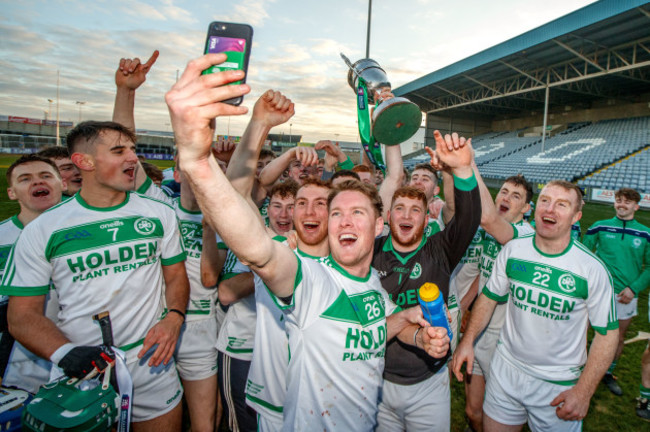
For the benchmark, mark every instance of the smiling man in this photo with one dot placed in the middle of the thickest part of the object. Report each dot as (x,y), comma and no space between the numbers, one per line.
(624,246)
(554,287)
(406,259)
(36,184)
(337,314)
(501,221)
(106,249)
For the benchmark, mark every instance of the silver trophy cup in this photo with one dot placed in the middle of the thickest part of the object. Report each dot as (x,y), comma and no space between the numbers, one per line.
(394,120)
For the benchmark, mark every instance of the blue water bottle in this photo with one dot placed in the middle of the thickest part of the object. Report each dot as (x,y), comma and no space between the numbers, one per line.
(433,306)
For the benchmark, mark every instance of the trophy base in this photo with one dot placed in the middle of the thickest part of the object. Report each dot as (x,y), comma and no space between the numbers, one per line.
(395,120)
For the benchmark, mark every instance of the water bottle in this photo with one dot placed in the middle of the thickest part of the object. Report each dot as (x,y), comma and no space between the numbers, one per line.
(433,307)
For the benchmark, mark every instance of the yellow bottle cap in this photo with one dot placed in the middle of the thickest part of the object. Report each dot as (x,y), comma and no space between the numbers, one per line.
(429,292)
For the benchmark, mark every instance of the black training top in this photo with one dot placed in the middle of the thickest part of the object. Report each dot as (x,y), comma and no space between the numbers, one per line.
(433,261)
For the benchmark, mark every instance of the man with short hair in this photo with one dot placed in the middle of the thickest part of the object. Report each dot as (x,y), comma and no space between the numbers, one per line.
(107,249)
(343,175)
(501,221)
(406,259)
(69,172)
(425,178)
(624,246)
(365,174)
(35,182)
(541,373)
(336,312)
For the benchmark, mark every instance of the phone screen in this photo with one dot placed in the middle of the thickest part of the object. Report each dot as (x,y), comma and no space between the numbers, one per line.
(235,50)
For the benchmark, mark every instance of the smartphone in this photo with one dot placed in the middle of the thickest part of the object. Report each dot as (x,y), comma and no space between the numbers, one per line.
(235,41)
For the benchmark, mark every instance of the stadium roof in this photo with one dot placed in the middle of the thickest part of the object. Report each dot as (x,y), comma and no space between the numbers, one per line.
(601,51)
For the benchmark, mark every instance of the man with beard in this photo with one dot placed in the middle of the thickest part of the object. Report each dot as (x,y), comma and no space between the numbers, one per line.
(405,260)
(266,387)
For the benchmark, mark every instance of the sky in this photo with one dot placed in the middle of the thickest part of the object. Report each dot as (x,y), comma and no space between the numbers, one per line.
(295,50)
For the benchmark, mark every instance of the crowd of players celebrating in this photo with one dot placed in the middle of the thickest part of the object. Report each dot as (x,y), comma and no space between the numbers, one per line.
(284,289)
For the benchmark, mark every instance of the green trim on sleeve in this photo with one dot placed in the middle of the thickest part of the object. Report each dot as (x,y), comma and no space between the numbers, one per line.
(466,184)
(24,291)
(264,403)
(489,294)
(222,246)
(173,260)
(144,186)
(346,164)
(603,330)
(397,309)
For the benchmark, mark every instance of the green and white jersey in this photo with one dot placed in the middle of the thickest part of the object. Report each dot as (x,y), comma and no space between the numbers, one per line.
(150,189)
(266,387)
(99,259)
(467,269)
(10,230)
(490,248)
(624,247)
(25,370)
(202,300)
(337,336)
(237,332)
(550,299)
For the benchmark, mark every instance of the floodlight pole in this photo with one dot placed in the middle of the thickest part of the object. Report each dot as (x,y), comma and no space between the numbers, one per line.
(368,33)
(58,140)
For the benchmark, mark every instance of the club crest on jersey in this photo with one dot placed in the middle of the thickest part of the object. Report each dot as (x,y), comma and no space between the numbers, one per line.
(636,242)
(567,283)
(416,272)
(144,226)
(477,237)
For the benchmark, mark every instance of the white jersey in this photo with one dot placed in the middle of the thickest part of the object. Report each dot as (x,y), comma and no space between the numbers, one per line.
(490,248)
(266,387)
(99,259)
(337,337)
(25,370)
(467,269)
(549,300)
(202,300)
(237,332)
(150,189)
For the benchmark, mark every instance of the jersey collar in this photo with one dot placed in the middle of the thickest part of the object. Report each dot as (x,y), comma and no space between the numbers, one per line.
(388,247)
(332,263)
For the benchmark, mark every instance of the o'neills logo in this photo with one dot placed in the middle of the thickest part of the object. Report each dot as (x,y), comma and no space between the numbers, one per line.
(144,226)
(114,224)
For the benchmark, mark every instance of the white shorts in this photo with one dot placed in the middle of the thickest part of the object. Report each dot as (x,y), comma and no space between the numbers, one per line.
(196,355)
(484,350)
(512,397)
(424,406)
(627,311)
(156,391)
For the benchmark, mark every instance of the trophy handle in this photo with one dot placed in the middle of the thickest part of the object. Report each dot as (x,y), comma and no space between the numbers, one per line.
(349,63)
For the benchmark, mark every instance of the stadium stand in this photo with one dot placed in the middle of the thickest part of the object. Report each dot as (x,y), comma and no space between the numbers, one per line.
(572,154)
(633,171)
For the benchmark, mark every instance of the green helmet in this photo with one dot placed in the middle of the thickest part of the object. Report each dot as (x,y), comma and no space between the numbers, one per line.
(70,404)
